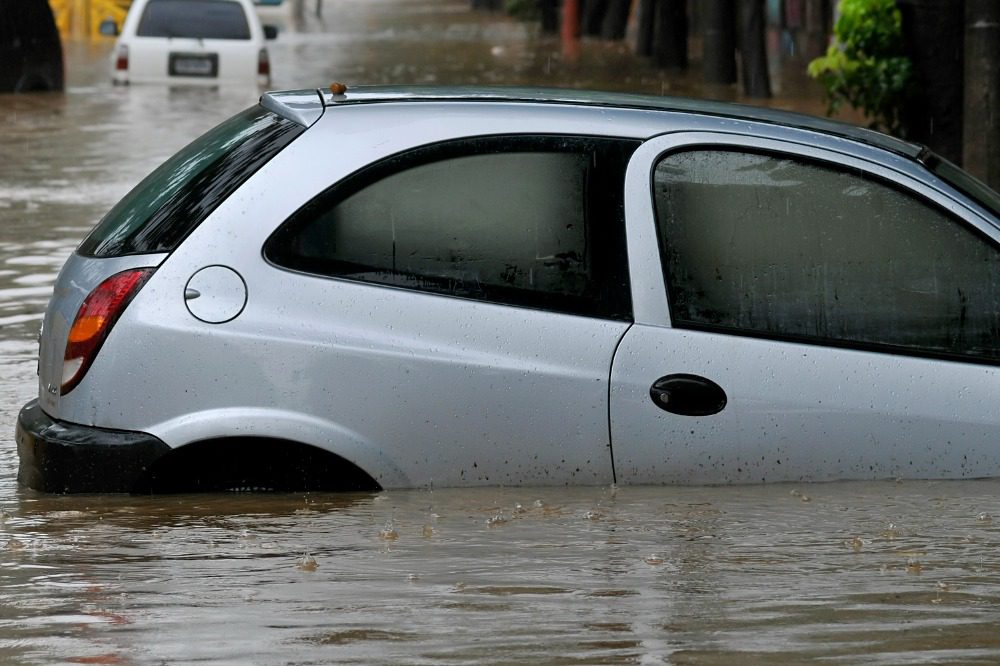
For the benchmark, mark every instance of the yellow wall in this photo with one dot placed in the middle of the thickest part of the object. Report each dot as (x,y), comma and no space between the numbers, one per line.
(82,18)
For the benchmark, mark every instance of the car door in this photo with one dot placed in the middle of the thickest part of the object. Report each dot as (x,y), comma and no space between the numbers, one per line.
(803,314)
(467,298)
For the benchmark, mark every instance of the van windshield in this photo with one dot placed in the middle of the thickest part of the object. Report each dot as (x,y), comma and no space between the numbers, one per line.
(175,198)
(199,19)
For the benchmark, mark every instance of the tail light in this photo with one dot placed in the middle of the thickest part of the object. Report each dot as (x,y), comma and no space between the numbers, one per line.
(94,320)
(264,65)
(121,60)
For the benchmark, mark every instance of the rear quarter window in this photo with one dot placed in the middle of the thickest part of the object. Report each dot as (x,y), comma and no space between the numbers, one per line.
(200,19)
(530,221)
(175,198)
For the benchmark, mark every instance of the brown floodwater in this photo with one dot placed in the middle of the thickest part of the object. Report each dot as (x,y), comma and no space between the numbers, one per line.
(894,572)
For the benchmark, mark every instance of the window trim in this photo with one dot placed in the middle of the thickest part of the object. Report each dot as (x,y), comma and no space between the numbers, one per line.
(888,177)
(617,305)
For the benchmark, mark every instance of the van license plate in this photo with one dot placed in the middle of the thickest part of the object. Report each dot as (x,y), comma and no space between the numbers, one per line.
(194,64)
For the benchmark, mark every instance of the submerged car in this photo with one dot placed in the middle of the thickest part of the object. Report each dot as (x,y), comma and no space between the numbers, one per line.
(31,56)
(187,42)
(389,287)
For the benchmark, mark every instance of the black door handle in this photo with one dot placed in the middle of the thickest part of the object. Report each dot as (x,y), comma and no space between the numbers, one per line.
(688,395)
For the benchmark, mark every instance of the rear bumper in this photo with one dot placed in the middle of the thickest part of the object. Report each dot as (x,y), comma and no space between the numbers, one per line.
(60,457)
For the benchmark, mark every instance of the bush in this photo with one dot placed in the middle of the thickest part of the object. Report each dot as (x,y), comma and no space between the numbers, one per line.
(865,65)
(524,10)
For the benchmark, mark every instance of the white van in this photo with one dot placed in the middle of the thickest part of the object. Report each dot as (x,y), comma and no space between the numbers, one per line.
(191,42)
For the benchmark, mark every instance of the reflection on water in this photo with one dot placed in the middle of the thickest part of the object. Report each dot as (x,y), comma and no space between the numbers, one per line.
(878,573)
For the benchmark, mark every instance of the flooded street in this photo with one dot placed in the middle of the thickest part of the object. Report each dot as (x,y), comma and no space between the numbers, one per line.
(892,572)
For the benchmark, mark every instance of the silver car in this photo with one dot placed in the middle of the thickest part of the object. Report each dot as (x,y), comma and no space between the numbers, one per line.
(408,287)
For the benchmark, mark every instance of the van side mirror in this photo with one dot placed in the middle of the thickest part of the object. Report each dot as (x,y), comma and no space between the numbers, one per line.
(270,32)
(109,28)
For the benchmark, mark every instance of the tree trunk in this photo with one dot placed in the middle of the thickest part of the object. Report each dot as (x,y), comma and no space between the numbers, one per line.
(645,28)
(550,15)
(982,91)
(933,32)
(753,49)
(719,60)
(592,16)
(670,41)
(818,27)
(616,19)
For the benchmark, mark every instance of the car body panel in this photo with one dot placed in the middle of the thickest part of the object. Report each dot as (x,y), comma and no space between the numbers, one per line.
(149,60)
(379,368)
(800,413)
(77,278)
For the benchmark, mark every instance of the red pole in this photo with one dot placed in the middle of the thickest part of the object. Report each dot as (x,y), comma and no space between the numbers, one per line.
(571,29)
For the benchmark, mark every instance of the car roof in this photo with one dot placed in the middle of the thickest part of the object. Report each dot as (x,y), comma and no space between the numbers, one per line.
(305,106)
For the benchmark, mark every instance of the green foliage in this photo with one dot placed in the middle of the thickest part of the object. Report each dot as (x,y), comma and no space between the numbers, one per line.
(865,65)
(525,10)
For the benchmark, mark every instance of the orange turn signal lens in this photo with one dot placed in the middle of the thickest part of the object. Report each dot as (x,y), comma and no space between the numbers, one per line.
(94,320)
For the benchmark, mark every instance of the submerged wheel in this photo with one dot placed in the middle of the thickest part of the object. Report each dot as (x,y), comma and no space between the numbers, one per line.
(253,464)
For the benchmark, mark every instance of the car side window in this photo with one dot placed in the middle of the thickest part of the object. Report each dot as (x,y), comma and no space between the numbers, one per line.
(772,246)
(529,221)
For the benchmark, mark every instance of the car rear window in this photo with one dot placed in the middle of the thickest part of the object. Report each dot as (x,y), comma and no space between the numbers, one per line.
(200,19)
(175,198)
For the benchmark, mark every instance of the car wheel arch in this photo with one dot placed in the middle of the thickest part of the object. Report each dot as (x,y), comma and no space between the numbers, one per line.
(34,82)
(253,464)
(222,427)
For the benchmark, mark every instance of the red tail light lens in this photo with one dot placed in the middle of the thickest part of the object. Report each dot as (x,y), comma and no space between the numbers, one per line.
(264,65)
(94,320)
(121,60)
